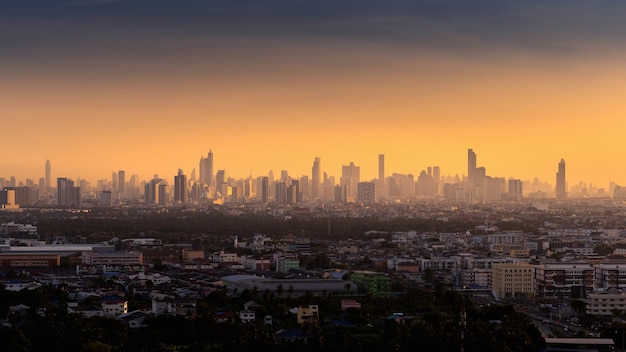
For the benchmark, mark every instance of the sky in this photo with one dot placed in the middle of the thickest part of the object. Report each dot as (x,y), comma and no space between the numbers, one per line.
(150,86)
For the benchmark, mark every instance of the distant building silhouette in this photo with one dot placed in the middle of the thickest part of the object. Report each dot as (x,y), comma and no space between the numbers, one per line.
(366,193)
(67,194)
(316,179)
(561,187)
(48,175)
(181,194)
(206,169)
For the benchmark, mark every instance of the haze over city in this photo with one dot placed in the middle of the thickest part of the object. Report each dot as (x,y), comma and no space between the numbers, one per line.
(150,86)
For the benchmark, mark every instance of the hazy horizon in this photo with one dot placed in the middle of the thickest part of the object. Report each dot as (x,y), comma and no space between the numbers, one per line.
(150,86)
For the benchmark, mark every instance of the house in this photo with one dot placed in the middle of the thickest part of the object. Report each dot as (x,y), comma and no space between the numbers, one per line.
(135,319)
(308,315)
(114,305)
(247,316)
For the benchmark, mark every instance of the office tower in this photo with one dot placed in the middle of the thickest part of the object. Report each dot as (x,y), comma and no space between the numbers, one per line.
(42,185)
(114,189)
(220,181)
(181,195)
(350,178)
(62,184)
(561,188)
(471,167)
(155,191)
(105,199)
(206,169)
(48,175)
(366,193)
(23,196)
(121,181)
(295,184)
(304,187)
(436,179)
(316,179)
(67,194)
(341,194)
(265,190)
(515,189)
(280,193)
(7,199)
(425,184)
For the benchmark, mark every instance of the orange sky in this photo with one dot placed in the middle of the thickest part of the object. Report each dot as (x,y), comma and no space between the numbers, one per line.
(150,104)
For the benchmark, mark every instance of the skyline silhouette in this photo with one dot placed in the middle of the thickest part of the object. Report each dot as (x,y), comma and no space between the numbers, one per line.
(430,181)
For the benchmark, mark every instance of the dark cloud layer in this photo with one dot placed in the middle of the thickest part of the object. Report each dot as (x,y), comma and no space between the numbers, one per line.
(55,29)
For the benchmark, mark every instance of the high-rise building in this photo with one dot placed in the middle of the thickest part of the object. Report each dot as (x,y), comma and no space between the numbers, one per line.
(366,193)
(561,186)
(471,167)
(67,194)
(48,176)
(121,181)
(181,195)
(155,191)
(265,190)
(316,179)
(206,169)
(114,189)
(350,178)
(220,181)
(515,189)
(437,179)
(7,198)
(381,167)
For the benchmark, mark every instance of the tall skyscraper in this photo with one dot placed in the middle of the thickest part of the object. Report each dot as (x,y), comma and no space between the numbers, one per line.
(206,169)
(220,181)
(381,167)
(316,179)
(48,176)
(67,194)
(350,178)
(121,181)
(471,167)
(155,191)
(181,195)
(561,187)
(265,190)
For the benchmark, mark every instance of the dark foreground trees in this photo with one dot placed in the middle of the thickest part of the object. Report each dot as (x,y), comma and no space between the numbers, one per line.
(430,322)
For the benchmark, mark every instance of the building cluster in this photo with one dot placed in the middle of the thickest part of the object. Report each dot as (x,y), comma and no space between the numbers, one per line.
(553,261)
(214,186)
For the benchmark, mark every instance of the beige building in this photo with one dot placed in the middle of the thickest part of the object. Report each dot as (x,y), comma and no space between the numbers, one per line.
(511,279)
(607,302)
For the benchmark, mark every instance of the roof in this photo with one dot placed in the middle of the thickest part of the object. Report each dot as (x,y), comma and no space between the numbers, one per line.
(579,341)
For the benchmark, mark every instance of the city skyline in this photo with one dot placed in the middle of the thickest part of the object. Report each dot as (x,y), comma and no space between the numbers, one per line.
(350,172)
(148,87)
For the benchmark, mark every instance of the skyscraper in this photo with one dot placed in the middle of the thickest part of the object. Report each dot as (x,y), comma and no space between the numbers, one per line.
(561,188)
(471,167)
(121,180)
(48,176)
(181,195)
(67,194)
(316,179)
(366,193)
(381,167)
(350,178)
(265,190)
(206,169)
